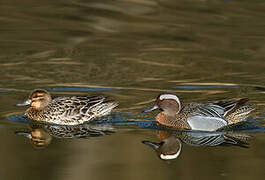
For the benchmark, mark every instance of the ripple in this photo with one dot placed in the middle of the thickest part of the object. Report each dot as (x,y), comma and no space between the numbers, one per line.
(3,90)
(205,87)
(260,88)
(19,119)
(82,89)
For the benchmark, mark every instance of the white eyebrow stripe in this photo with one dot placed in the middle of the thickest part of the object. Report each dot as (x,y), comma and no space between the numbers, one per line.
(170,96)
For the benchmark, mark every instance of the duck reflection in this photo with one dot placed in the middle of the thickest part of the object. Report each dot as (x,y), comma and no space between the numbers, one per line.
(38,137)
(41,135)
(170,145)
(168,148)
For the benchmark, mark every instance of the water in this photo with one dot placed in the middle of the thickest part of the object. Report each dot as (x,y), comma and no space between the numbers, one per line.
(130,50)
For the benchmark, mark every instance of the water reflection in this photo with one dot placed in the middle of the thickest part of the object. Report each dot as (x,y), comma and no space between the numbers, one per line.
(38,137)
(170,145)
(136,48)
(41,135)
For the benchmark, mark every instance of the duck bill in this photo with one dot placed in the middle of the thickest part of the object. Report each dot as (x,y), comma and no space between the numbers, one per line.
(153,145)
(23,134)
(24,103)
(151,108)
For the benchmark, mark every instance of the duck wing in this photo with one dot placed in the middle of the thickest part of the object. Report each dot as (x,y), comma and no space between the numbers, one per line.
(79,131)
(215,138)
(230,106)
(207,117)
(202,138)
(211,116)
(78,109)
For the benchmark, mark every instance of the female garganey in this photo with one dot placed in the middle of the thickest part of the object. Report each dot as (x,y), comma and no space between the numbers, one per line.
(66,110)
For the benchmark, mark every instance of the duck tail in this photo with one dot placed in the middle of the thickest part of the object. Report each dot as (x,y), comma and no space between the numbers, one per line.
(232,106)
(105,108)
(240,114)
(236,110)
(237,139)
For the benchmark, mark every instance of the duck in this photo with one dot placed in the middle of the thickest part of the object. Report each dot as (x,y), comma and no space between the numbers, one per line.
(40,135)
(71,110)
(170,145)
(202,116)
(168,149)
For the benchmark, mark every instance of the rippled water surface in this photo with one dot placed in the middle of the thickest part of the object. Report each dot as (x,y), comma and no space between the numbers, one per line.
(130,50)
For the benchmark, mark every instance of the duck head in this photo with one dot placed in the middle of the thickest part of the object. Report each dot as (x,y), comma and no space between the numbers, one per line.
(38,99)
(38,137)
(166,102)
(168,149)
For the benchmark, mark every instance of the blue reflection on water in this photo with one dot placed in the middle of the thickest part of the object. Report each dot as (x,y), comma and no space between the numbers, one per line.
(205,87)
(19,119)
(3,90)
(120,119)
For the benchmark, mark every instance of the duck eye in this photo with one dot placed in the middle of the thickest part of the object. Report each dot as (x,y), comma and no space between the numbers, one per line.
(161,143)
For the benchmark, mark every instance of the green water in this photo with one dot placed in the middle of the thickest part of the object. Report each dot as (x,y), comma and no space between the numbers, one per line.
(130,50)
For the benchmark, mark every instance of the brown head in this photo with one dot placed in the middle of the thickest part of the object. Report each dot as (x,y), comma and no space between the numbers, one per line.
(166,102)
(38,99)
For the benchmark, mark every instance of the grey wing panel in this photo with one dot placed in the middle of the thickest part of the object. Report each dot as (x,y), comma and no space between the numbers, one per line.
(205,139)
(210,110)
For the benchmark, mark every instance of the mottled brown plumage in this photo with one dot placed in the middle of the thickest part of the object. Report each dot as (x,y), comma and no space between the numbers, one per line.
(67,110)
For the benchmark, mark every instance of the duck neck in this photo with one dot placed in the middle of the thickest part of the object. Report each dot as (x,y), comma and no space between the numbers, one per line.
(171,113)
(33,113)
(165,119)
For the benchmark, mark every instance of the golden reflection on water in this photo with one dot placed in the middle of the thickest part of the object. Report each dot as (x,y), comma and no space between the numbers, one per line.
(41,135)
